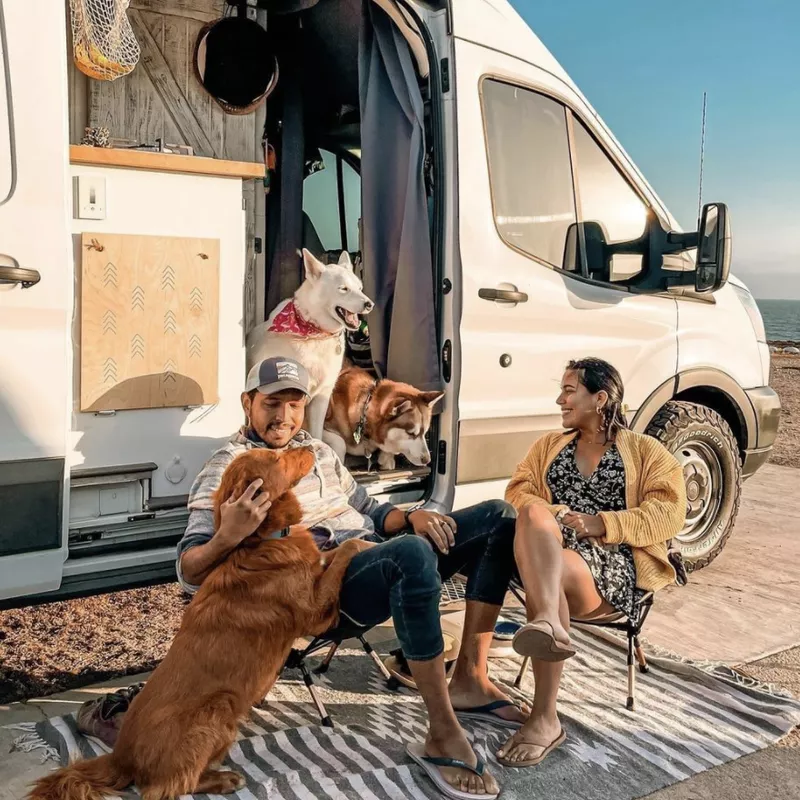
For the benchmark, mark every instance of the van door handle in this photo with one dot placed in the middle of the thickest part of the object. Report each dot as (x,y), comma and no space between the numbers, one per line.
(503,295)
(25,277)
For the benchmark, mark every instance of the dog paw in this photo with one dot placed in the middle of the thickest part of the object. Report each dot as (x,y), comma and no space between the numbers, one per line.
(386,461)
(357,545)
(362,545)
(231,782)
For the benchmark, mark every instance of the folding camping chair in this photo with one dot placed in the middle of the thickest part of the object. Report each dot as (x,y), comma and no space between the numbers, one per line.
(632,626)
(332,640)
(452,591)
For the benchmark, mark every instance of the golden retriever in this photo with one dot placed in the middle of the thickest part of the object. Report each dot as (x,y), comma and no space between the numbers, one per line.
(233,641)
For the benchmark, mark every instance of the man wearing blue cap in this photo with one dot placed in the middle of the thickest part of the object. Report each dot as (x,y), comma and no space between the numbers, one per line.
(400,577)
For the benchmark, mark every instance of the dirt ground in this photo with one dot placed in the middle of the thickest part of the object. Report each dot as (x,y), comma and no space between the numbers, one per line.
(59,646)
(786,382)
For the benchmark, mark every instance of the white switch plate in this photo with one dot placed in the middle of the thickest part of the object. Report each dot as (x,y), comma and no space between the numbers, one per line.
(91,197)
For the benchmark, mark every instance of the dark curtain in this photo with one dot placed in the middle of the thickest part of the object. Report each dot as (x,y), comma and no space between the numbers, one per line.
(285,200)
(396,244)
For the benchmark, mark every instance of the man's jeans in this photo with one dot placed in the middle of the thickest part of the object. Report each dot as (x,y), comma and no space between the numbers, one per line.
(402,577)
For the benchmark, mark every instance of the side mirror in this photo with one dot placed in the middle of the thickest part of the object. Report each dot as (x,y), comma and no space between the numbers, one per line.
(587,241)
(713,248)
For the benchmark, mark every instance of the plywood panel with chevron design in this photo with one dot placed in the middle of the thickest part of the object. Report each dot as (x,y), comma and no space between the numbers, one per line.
(149,321)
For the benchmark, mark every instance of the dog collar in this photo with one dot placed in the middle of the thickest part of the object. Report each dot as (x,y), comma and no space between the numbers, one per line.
(281,534)
(358,433)
(290,321)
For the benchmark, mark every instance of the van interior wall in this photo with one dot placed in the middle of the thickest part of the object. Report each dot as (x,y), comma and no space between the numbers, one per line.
(162,98)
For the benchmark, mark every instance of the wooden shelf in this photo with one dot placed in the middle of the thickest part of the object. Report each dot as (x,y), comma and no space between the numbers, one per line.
(164,162)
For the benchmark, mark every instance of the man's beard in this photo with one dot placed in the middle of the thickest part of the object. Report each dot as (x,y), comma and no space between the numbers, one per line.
(280,430)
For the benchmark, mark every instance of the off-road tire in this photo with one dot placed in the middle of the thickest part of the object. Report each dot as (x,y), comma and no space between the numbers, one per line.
(677,425)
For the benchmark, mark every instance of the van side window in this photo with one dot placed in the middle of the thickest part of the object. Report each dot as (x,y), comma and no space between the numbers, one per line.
(321,206)
(530,169)
(6,152)
(608,199)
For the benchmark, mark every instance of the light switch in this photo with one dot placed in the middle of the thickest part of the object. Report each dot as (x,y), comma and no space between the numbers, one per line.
(91,197)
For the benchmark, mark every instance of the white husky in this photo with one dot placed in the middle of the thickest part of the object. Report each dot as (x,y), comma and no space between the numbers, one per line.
(310,326)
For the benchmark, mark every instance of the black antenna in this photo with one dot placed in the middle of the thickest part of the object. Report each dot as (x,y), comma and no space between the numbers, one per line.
(702,157)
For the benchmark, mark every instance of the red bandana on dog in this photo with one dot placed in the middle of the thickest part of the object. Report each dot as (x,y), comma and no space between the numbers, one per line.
(289,321)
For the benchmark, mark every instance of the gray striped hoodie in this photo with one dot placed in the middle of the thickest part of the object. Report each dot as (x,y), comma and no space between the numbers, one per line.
(334,506)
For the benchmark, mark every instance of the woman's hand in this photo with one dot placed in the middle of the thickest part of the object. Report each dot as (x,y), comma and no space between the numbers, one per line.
(437,528)
(586,526)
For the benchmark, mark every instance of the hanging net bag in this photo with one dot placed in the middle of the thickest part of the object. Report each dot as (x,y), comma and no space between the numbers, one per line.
(103,43)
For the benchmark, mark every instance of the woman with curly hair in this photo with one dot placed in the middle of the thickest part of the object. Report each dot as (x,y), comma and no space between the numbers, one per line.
(596,507)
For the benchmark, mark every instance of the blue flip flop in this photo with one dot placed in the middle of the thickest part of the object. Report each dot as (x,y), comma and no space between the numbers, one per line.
(485,713)
(505,629)
(430,765)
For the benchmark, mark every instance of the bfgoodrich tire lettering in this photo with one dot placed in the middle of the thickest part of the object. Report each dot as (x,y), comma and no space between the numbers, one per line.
(704,444)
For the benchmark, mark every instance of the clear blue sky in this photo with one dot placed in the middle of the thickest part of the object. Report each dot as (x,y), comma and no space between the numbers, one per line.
(644,65)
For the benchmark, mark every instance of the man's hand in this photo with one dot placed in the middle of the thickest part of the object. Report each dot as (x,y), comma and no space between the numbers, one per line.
(437,528)
(586,526)
(240,516)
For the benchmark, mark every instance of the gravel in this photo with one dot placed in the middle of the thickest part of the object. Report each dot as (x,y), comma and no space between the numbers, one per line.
(786,382)
(59,646)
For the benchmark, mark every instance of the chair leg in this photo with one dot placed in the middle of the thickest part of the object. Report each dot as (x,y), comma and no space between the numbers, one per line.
(375,658)
(640,656)
(312,690)
(326,662)
(631,674)
(521,673)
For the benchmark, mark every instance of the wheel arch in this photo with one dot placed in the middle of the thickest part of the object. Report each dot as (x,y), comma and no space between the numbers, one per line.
(707,387)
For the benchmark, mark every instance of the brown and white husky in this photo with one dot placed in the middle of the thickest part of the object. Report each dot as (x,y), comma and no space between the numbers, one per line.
(366,416)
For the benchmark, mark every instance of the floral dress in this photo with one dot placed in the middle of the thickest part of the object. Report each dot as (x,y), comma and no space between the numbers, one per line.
(612,566)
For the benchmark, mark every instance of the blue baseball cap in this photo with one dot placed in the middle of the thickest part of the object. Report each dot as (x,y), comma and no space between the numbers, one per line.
(273,375)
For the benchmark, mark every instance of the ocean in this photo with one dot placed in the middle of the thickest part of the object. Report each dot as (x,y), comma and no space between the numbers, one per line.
(781,319)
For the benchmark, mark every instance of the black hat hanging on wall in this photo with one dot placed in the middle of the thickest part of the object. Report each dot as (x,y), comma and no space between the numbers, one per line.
(236,64)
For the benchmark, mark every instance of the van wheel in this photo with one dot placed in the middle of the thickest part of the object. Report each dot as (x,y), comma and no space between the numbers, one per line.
(704,444)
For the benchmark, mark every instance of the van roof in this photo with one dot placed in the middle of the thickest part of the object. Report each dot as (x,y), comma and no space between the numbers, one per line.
(495,24)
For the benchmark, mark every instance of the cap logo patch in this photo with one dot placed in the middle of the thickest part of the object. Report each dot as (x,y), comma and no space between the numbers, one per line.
(287,371)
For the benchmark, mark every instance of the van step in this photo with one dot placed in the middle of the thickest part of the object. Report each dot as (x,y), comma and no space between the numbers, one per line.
(119,473)
(393,476)
(136,532)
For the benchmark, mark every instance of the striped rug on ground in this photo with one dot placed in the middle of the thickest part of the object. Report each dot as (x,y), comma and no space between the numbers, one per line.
(686,721)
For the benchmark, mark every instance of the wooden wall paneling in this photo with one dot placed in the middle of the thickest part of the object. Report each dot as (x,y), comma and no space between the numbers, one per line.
(199,98)
(149,321)
(145,110)
(177,105)
(161,97)
(78,87)
(203,10)
(108,107)
(177,46)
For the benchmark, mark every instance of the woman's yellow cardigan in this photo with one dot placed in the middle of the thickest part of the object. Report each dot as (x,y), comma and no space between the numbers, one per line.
(655,499)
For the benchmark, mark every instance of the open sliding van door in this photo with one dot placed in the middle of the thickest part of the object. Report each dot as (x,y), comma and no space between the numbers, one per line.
(35,296)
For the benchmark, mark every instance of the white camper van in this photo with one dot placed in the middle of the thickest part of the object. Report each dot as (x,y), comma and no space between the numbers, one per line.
(130,276)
